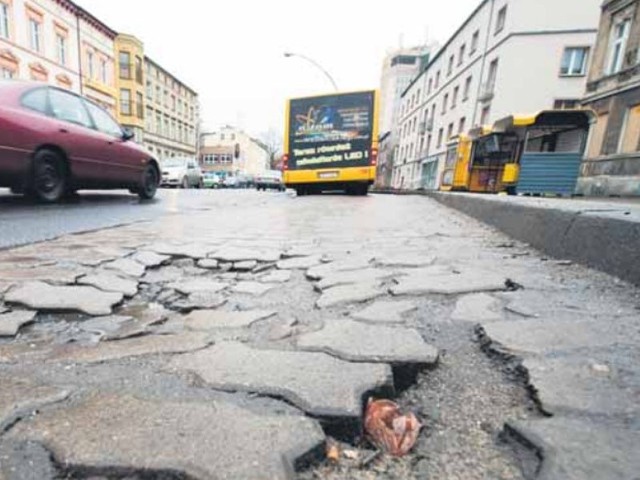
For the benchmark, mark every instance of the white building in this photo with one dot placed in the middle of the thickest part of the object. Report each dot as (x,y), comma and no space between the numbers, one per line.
(509,56)
(39,40)
(399,69)
(233,151)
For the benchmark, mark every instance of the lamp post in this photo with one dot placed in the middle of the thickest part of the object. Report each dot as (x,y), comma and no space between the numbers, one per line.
(316,64)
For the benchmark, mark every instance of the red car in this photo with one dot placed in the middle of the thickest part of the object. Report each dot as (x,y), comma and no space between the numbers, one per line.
(54,142)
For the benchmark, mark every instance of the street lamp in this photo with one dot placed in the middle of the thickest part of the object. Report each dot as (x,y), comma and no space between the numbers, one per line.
(313,62)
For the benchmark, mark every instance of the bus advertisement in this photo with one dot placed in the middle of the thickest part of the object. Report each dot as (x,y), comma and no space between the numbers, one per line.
(331,143)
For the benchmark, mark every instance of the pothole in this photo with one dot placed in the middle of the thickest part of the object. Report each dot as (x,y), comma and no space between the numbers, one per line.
(463,404)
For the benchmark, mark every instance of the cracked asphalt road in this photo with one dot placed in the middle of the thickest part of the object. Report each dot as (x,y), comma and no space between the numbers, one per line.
(229,333)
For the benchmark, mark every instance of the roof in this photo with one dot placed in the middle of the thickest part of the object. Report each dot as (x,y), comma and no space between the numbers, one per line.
(86,15)
(579,117)
(167,72)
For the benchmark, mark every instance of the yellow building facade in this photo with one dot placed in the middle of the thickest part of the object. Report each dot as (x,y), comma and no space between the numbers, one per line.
(130,84)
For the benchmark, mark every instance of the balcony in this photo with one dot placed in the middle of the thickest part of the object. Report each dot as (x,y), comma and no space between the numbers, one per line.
(487,92)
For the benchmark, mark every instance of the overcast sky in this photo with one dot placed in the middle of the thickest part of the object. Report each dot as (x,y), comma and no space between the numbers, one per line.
(231,52)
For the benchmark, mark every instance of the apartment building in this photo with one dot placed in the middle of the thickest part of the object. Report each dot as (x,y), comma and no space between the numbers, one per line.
(130,84)
(508,56)
(171,113)
(612,163)
(399,68)
(57,42)
(249,156)
(218,158)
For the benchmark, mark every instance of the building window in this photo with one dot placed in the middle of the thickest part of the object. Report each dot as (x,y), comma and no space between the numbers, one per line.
(454,99)
(485,115)
(149,90)
(450,131)
(103,72)
(467,89)
(619,37)
(139,70)
(566,104)
(630,134)
(61,46)
(493,75)
(35,34)
(463,49)
(445,102)
(462,125)
(6,74)
(440,135)
(4,20)
(502,19)
(90,63)
(125,65)
(139,105)
(450,67)
(125,101)
(430,87)
(574,61)
(475,41)
(438,79)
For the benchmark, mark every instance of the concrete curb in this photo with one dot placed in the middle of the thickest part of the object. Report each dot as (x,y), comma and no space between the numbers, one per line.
(607,239)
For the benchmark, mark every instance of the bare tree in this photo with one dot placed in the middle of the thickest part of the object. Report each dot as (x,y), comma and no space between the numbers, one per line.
(271,140)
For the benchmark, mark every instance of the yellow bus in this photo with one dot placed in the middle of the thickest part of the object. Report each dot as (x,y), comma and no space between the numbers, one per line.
(331,143)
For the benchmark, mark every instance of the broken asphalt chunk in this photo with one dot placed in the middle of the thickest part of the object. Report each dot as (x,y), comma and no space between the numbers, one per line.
(10,323)
(358,342)
(44,297)
(450,284)
(206,320)
(129,434)
(315,382)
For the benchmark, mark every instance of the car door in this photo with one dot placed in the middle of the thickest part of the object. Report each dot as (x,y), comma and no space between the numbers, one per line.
(124,159)
(76,135)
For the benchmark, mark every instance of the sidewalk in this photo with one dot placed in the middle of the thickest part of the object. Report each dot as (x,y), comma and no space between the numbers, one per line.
(602,234)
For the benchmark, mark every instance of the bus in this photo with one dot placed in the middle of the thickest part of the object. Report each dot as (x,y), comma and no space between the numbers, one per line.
(331,143)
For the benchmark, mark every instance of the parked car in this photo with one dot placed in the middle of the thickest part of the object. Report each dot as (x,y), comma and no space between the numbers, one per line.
(211,180)
(230,182)
(271,179)
(54,142)
(181,172)
(246,181)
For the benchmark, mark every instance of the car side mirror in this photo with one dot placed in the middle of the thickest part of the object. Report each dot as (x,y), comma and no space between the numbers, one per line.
(127,134)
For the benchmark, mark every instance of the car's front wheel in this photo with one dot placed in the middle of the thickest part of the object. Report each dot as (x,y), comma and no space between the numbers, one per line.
(149,183)
(185,183)
(49,176)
